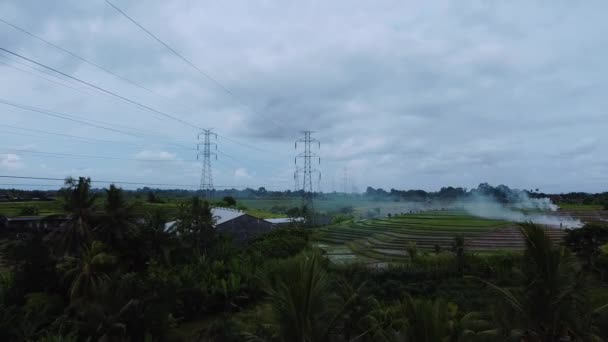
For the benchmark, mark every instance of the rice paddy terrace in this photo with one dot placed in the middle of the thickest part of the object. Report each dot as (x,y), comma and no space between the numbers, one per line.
(387,239)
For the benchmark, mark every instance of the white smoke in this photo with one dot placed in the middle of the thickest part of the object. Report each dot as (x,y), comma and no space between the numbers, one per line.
(519,202)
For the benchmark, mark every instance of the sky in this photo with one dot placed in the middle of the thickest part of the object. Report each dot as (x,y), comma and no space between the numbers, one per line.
(401,94)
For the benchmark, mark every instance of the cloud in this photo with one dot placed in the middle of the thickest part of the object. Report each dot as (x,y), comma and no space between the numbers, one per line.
(11,162)
(408,94)
(156,155)
(242,174)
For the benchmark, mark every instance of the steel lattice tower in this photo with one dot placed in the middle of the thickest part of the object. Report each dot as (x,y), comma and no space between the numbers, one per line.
(206,174)
(307,170)
(345,180)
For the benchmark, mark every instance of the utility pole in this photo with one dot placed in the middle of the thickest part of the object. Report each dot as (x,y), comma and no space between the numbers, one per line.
(206,173)
(307,170)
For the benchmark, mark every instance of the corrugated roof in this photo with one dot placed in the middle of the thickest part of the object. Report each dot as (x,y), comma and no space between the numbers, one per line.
(221,215)
(284,220)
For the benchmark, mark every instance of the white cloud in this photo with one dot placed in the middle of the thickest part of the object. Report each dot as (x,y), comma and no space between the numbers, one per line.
(156,155)
(242,174)
(11,162)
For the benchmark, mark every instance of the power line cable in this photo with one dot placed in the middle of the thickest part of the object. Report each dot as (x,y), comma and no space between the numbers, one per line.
(40,76)
(85,60)
(78,120)
(68,136)
(71,155)
(103,90)
(124,98)
(120,182)
(185,60)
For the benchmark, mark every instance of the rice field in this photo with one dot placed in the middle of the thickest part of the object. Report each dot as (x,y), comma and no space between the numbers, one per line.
(387,239)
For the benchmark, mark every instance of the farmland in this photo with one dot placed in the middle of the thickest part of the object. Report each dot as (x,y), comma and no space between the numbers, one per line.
(387,239)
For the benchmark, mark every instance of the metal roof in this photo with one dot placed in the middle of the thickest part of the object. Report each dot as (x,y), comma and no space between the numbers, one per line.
(221,215)
(284,220)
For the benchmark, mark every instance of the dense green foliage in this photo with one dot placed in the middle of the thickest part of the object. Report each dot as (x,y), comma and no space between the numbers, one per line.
(112,274)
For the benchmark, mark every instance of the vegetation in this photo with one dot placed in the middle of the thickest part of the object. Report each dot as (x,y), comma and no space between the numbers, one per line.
(112,274)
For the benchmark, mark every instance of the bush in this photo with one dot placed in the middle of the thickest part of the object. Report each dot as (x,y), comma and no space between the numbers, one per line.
(229,201)
(29,211)
(280,243)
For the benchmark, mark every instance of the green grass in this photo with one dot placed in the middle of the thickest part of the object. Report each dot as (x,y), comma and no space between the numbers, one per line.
(45,208)
(386,239)
(581,207)
(171,208)
(360,206)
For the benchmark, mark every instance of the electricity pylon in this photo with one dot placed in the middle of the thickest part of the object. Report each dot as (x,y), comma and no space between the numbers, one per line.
(206,173)
(307,171)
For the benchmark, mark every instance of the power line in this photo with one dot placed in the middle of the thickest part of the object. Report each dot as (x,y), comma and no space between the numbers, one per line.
(121,182)
(79,120)
(185,60)
(73,54)
(68,136)
(71,155)
(171,49)
(40,76)
(102,89)
(126,99)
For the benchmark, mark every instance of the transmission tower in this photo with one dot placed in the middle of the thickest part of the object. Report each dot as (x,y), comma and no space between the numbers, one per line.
(307,170)
(206,174)
(345,180)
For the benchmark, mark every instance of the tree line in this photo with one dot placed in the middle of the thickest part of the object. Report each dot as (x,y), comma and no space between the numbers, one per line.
(110,275)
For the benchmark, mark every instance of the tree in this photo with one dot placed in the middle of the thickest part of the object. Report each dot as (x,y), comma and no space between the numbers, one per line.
(229,201)
(29,211)
(412,250)
(458,248)
(117,225)
(551,304)
(152,198)
(88,276)
(586,242)
(427,321)
(157,240)
(302,307)
(79,205)
(195,225)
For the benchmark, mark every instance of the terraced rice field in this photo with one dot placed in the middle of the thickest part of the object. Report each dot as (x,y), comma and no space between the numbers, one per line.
(387,239)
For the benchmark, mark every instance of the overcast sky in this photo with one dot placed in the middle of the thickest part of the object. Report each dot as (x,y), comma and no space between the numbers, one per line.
(405,94)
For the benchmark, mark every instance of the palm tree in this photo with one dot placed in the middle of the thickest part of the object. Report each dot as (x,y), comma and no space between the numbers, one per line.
(117,225)
(459,249)
(302,306)
(157,240)
(427,320)
(79,205)
(88,275)
(195,225)
(552,302)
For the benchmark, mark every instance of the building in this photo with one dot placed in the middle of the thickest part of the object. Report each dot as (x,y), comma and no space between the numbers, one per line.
(235,223)
(24,223)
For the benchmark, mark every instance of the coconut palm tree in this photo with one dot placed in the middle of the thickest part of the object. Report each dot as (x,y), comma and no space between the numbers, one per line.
(117,225)
(195,225)
(427,320)
(552,303)
(302,306)
(88,275)
(157,240)
(79,202)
